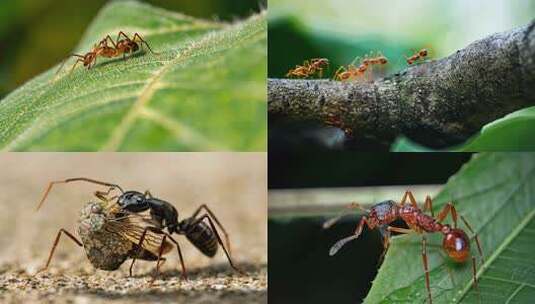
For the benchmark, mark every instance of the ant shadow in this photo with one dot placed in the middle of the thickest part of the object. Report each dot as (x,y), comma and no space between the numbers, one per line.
(175,292)
(126,58)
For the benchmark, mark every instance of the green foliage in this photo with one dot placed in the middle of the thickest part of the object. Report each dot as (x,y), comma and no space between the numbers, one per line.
(494,191)
(513,132)
(204,91)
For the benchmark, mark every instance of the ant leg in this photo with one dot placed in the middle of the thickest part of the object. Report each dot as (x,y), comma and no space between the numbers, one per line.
(338,245)
(184,272)
(408,194)
(51,184)
(338,72)
(428,205)
(212,215)
(111,40)
(399,230)
(474,275)
(76,63)
(349,208)
(476,237)
(426,268)
(144,42)
(93,63)
(160,252)
(448,208)
(386,244)
(65,60)
(386,238)
(122,33)
(140,243)
(56,241)
(206,216)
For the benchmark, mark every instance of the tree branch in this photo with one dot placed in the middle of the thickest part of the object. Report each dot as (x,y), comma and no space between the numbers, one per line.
(439,103)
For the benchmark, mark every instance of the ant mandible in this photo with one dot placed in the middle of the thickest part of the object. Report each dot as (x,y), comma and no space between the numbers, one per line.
(120,47)
(455,241)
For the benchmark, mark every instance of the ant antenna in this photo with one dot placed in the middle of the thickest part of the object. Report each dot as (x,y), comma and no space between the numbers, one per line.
(85,179)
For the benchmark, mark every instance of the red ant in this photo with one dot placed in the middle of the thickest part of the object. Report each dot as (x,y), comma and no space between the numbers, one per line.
(421,54)
(120,46)
(309,68)
(455,242)
(352,71)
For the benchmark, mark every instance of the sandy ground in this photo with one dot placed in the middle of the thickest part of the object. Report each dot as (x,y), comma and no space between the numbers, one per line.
(232,184)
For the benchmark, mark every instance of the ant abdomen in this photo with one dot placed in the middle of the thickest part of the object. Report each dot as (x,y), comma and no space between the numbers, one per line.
(456,245)
(202,237)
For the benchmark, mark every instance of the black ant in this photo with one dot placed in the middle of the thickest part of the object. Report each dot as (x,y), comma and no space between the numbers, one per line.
(119,47)
(203,235)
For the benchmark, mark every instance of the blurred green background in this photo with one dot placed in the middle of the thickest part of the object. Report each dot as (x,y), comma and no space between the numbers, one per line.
(341,30)
(36,34)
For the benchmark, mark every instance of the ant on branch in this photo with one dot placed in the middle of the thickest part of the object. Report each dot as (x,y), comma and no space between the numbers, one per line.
(421,54)
(309,68)
(455,241)
(119,47)
(352,72)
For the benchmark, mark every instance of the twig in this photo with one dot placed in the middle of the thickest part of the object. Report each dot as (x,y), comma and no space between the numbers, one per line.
(439,103)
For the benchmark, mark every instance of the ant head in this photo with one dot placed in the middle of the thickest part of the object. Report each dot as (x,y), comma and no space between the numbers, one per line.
(134,46)
(88,58)
(322,61)
(130,198)
(383,60)
(456,244)
(423,52)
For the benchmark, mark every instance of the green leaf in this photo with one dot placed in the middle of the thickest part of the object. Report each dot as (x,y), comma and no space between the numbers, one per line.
(403,144)
(206,90)
(513,132)
(495,192)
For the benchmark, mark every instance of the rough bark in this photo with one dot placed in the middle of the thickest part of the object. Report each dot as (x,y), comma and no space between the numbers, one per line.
(439,102)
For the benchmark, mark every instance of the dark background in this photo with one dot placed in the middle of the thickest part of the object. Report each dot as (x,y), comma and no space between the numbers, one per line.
(318,168)
(36,34)
(300,270)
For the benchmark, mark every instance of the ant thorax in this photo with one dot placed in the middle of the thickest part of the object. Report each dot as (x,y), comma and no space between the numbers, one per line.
(104,249)
(385,212)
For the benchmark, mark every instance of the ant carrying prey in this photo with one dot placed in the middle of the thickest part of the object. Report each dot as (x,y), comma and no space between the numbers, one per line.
(119,47)
(136,230)
(455,241)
